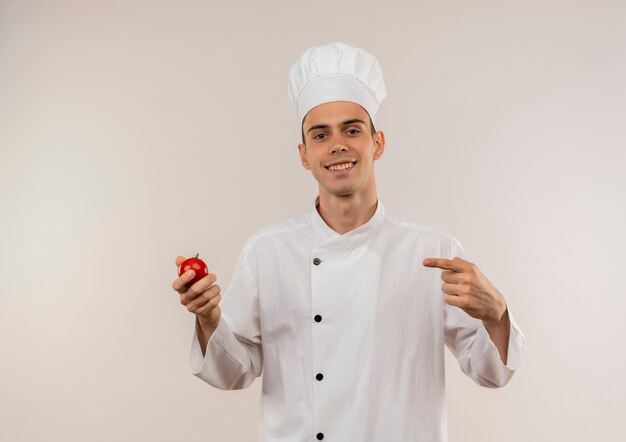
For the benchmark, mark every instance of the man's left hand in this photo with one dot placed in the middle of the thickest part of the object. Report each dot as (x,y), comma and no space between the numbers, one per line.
(469,289)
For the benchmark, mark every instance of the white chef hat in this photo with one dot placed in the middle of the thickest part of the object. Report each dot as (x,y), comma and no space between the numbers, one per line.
(335,72)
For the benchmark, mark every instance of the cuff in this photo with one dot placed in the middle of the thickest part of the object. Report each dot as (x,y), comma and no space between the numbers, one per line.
(198,361)
(490,370)
(517,344)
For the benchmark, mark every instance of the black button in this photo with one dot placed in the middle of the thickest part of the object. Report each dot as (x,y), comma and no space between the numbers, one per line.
(318,318)
(317,261)
(319,376)
(320,436)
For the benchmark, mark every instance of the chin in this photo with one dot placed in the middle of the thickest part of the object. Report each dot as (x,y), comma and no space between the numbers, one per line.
(346,191)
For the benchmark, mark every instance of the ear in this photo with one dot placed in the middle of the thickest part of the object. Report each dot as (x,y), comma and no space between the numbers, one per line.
(379,143)
(303,158)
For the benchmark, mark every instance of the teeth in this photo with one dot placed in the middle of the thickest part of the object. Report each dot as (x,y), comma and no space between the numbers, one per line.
(343,166)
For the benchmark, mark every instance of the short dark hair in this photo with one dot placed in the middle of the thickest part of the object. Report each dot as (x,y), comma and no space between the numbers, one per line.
(372,130)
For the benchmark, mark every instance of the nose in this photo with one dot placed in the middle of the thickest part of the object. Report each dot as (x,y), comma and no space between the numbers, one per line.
(338,148)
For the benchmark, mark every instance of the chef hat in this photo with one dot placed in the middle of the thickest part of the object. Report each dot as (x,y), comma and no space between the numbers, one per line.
(335,72)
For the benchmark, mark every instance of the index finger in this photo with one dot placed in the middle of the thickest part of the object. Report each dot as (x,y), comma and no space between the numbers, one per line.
(442,263)
(180,283)
(179,260)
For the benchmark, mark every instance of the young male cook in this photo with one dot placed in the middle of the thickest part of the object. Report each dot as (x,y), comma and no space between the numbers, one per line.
(346,309)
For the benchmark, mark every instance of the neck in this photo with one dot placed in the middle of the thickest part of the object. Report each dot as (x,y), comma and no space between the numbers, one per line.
(346,213)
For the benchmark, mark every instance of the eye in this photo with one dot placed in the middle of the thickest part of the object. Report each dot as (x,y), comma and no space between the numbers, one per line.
(353,131)
(316,137)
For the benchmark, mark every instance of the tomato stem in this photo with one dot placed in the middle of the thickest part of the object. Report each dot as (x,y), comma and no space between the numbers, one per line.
(197,255)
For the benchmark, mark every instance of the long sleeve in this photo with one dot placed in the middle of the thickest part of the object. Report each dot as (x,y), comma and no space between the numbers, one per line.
(468,340)
(234,355)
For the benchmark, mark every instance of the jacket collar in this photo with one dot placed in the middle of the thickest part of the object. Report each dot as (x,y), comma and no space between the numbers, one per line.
(325,236)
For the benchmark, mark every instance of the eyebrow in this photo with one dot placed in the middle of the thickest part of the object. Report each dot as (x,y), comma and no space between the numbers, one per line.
(345,123)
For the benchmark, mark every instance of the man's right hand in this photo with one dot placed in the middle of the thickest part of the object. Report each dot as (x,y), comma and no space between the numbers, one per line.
(202,298)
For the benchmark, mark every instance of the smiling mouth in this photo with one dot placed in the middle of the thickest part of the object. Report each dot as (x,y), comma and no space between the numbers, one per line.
(340,167)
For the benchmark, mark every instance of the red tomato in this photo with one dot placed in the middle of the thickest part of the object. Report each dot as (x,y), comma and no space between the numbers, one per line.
(195,264)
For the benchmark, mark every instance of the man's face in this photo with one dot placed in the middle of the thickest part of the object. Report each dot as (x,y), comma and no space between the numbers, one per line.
(340,150)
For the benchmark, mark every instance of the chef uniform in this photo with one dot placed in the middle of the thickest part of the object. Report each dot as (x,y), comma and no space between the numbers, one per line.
(347,329)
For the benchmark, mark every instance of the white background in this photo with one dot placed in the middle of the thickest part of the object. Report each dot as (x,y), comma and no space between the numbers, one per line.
(131,132)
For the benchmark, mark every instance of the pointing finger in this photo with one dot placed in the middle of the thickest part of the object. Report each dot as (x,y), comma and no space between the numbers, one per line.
(442,263)
(179,260)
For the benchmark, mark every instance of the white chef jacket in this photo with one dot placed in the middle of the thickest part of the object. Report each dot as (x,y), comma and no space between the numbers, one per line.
(349,332)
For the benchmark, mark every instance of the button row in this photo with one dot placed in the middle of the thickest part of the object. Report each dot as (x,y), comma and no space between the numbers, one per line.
(318,318)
